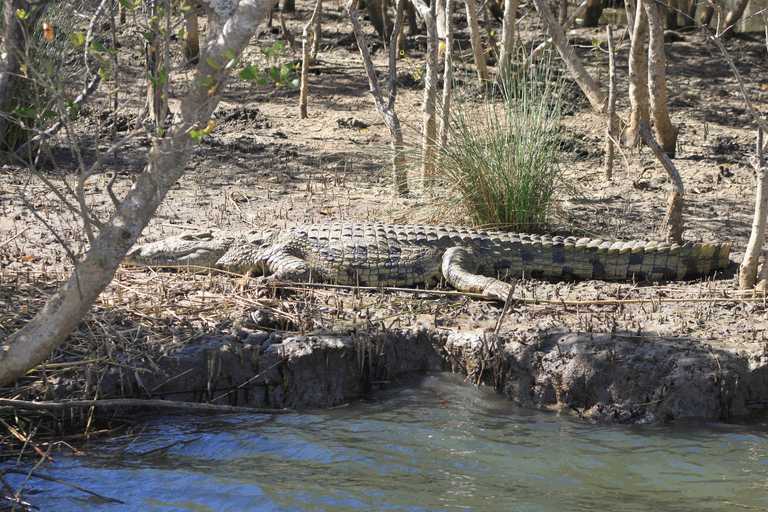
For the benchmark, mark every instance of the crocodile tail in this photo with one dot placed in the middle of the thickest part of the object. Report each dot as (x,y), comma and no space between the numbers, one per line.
(617,261)
(663,261)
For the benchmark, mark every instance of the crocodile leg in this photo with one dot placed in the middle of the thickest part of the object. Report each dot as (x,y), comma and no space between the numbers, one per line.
(458,267)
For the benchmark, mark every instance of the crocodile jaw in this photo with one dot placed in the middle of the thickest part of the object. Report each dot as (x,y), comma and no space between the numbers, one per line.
(179,253)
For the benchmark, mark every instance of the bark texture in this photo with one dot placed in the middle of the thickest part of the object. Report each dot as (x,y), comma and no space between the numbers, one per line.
(732,17)
(474,38)
(673,222)
(305,47)
(638,78)
(666,132)
(34,342)
(191,41)
(508,36)
(428,110)
(748,268)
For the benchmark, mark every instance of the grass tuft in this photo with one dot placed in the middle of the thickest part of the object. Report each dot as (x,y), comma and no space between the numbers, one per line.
(501,166)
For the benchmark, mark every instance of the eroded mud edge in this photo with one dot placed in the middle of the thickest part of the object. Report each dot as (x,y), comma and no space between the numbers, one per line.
(620,377)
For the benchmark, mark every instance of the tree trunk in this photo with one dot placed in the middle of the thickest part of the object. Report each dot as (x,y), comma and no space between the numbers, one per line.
(305,46)
(575,67)
(638,78)
(611,123)
(689,7)
(12,50)
(429,112)
(474,38)
(410,16)
(706,15)
(672,6)
(732,17)
(379,16)
(191,41)
(748,268)
(386,109)
(593,13)
(562,12)
(441,26)
(445,108)
(508,36)
(673,222)
(666,132)
(28,347)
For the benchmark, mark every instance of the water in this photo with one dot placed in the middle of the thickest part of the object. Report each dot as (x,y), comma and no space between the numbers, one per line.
(405,450)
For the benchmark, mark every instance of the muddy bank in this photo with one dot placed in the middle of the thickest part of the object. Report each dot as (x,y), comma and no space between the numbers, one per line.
(621,377)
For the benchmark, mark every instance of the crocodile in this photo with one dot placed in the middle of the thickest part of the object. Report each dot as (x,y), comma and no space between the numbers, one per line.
(471,260)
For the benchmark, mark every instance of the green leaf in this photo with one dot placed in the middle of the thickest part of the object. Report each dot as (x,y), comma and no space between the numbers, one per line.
(197,135)
(596,41)
(230,54)
(274,74)
(22,14)
(74,108)
(295,82)
(278,46)
(26,112)
(163,76)
(232,63)
(185,8)
(104,73)
(180,35)
(98,47)
(126,4)
(152,79)
(249,73)
(77,38)
(261,81)
(50,113)
(212,63)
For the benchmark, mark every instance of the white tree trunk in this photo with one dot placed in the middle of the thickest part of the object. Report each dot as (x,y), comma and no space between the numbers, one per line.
(748,268)
(231,30)
(638,78)
(474,38)
(445,107)
(429,112)
(508,36)
(666,132)
(305,47)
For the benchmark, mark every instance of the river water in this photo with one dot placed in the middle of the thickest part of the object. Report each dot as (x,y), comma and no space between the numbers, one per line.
(435,443)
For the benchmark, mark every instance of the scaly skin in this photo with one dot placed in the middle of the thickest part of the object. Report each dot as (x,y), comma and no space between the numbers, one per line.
(368,254)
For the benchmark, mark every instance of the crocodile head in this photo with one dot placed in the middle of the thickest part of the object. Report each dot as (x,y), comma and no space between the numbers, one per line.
(199,250)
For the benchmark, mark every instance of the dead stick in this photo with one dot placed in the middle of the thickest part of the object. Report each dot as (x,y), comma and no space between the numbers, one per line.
(14,237)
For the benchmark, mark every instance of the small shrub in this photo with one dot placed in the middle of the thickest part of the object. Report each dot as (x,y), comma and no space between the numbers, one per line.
(33,98)
(501,166)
